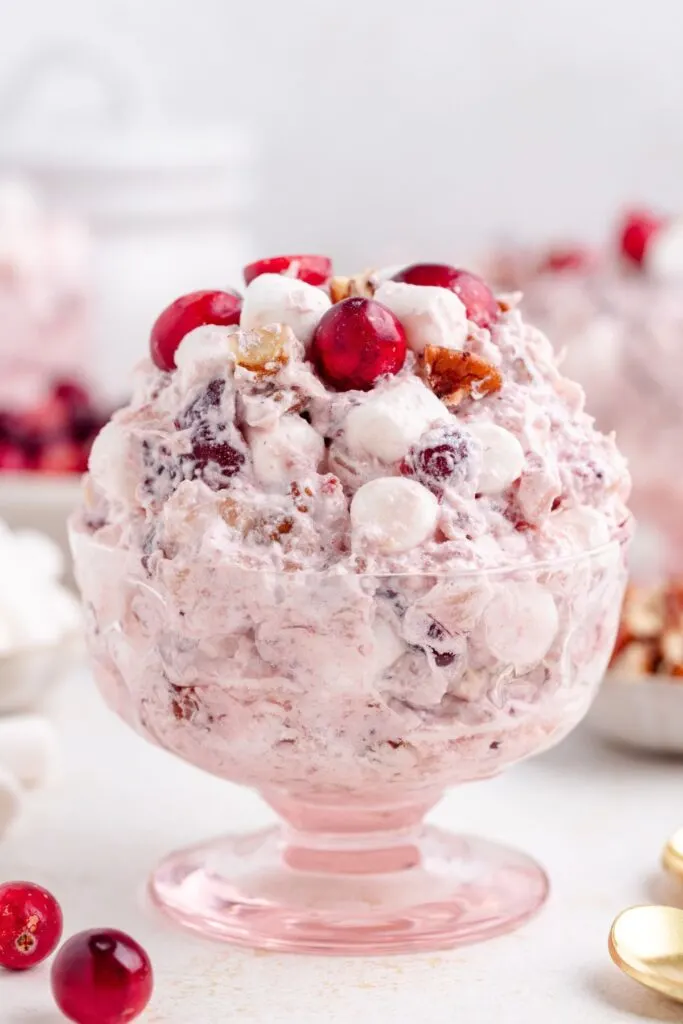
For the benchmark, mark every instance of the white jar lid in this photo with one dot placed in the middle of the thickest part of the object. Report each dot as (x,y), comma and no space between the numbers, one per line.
(85,125)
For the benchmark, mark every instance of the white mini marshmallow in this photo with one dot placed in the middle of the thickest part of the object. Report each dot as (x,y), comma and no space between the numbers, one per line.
(520,623)
(393,514)
(584,527)
(390,420)
(109,463)
(502,460)
(430,316)
(208,344)
(276,299)
(289,449)
(663,259)
(387,648)
(29,749)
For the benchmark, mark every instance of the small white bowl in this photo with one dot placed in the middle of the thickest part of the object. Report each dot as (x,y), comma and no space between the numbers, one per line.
(39,501)
(647,713)
(28,674)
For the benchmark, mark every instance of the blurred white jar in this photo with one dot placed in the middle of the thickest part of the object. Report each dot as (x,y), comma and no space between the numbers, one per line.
(165,202)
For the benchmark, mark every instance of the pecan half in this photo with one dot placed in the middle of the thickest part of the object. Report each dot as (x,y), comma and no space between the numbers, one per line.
(638,658)
(263,350)
(350,287)
(454,375)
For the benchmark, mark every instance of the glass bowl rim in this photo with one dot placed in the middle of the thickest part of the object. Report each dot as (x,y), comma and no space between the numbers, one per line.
(437,572)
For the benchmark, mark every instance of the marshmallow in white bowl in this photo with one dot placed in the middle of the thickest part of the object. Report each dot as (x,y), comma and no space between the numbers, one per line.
(502,458)
(393,514)
(29,748)
(277,299)
(392,419)
(429,315)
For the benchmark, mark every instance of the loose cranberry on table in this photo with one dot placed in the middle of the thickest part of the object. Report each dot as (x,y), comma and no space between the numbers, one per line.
(102,976)
(315,270)
(356,342)
(187,313)
(476,296)
(30,925)
(638,228)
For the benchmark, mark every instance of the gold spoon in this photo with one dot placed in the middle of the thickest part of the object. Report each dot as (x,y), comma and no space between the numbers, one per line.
(647,944)
(672,858)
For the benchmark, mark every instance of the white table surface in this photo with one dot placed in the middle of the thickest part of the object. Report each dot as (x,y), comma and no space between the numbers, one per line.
(596,818)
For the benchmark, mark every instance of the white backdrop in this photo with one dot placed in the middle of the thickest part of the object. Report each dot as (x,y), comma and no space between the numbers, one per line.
(392,129)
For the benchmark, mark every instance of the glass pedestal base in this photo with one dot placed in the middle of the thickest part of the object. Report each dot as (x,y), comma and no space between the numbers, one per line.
(412,890)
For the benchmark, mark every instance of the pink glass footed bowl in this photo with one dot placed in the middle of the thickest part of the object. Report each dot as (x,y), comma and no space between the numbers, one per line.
(350,703)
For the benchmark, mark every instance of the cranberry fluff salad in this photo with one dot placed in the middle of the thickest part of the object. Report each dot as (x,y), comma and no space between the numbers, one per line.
(351,532)
(616,313)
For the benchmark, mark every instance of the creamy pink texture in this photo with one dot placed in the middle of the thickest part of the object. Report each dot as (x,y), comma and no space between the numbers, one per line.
(620,334)
(44,297)
(298,588)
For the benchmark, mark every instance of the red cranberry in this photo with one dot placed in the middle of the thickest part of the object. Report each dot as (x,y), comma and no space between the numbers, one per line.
(72,394)
(13,459)
(102,977)
(559,260)
(311,269)
(356,342)
(223,454)
(442,458)
(637,229)
(61,457)
(475,294)
(209,441)
(48,420)
(30,925)
(187,313)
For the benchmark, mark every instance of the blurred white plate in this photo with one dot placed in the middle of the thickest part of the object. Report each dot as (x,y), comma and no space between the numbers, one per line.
(647,714)
(27,675)
(40,502)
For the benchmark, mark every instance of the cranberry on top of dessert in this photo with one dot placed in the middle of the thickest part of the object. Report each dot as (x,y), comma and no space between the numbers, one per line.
(356,342)
(315,270)
(184,315)
(478,299)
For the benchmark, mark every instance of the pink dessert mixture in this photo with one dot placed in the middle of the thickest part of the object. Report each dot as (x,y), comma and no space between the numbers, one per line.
(616,315)
(351,532)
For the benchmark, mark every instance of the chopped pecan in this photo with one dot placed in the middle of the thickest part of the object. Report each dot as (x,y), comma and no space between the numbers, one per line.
(454,375)
(671,645)
(644,613)
(349,287)
(638,658)
(263,350)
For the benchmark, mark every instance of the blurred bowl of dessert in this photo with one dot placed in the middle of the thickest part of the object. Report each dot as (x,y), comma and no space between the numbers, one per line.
(40,622)
(617,314)
(49,411)
(641,701)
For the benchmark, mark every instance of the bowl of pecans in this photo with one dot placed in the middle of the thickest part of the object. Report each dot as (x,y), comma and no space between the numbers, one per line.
(641,701)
